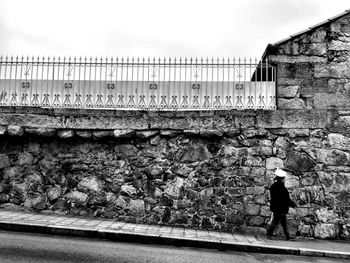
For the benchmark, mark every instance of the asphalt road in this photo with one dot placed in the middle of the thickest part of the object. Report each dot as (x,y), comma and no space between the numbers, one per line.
(24,247)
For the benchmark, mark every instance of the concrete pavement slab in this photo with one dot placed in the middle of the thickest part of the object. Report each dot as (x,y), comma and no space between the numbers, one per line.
(166,235)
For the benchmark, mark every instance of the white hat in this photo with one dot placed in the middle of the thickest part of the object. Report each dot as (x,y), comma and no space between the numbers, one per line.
(280,173)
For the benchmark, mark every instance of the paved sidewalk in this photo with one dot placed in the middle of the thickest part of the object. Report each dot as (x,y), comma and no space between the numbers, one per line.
(165,235)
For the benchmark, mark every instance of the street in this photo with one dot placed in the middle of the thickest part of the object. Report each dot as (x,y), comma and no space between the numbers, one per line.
(25,247)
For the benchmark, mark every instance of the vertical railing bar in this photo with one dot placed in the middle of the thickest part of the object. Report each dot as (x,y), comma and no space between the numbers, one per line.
(185,84)
(148,81)
(100,84)
(261,79)
(255,80)
(266,86)
(116,82)
(41,97)
(31,81)
(169,83)
(73,83)
(21,81)
(132,81)
(61,90)
(244,83)
(180,83)
(83,91)
(78,92)
(37,80)
(174,93)
(16,68)
(143,93)
(51,94)
(165,84)
(201,85)
(10,78)
(228,80)
(191,81)
(206,93)
(89,95)
(105,82)
(217,77)
(126,82)
(5,79)
(212,84)
(223,83)
(94,102)
(137,81)
(121,81)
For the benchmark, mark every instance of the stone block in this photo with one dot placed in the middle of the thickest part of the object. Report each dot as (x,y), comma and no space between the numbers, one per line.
(287,91)
(14,130)
(265,211)
(4,161)
(77,197)
(252,209)
(297,59)
(174,188)
(325,215)
(292,133)
(125,150)
(292,119)
(261,151)
(332,157)
(102,134)
(195,152)
(35,201)
(65,134)
(256,221)
(146,134)
(90,184)
(128,190)
(25,158)
(3,129)
(211,133)
(337,45)
(324,231)
(256,190)
(84,134)
(273,162)
(45,132)
(170,133)
(281,142)
(333,70)
(338,141)
(54,193)
(137,207)
(331,101)
(291,104)
(128,133)
(252,161)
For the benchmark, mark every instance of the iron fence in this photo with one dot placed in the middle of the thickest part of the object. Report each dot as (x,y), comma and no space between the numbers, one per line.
(137,83)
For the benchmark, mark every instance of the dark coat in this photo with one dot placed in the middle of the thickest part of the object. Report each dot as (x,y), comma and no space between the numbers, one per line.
(280,201)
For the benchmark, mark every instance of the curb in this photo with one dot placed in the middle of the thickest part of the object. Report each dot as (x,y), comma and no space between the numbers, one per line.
(123,236)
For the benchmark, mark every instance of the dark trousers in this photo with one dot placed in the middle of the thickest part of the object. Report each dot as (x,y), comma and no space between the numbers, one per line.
(277,218)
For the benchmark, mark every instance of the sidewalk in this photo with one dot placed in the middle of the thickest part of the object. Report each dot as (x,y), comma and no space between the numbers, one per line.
(164,235)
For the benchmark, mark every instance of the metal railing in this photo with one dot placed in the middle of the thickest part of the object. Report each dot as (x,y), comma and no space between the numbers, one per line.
(129,83)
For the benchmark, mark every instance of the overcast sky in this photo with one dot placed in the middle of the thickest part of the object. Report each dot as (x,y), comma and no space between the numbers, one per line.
(223,28)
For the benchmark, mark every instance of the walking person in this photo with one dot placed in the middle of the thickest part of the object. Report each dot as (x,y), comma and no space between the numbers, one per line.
(279,204)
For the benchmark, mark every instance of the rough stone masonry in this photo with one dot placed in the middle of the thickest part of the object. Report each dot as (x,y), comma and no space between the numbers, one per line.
(207,170)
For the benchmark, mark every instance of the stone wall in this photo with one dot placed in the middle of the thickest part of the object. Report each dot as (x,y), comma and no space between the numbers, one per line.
(313,69)
(208,170)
